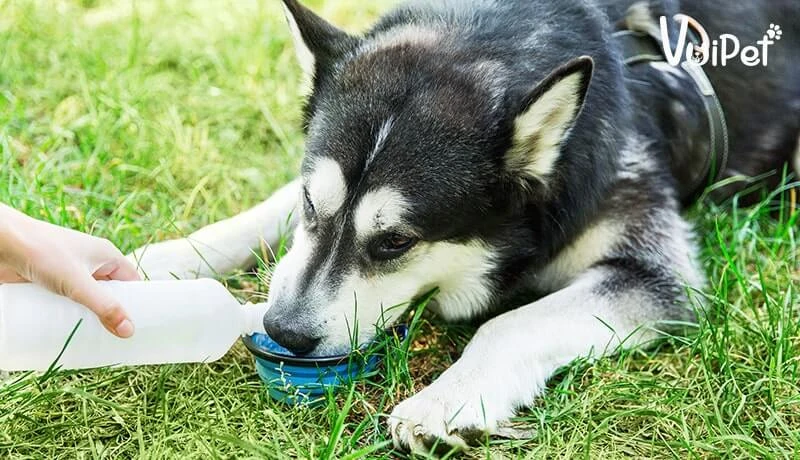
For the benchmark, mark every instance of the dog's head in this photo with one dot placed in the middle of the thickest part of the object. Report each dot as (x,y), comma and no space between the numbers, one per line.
(417,153)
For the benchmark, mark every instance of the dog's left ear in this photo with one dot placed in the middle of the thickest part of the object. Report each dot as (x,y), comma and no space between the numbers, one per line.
(546,118)
(317,42)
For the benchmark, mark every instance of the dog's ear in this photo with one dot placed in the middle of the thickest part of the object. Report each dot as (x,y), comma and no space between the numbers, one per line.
(316,41)
(544,122)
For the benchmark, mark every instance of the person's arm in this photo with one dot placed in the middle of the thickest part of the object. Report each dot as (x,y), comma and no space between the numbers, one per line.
(67,262)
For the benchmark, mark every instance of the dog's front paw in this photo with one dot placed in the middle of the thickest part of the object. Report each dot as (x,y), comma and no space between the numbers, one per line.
(439,418)
(168,260)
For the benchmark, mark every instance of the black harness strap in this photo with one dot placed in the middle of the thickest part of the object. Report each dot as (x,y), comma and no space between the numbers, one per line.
(639,48)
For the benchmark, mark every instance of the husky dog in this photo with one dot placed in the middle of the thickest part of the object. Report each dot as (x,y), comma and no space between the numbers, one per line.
(502,151)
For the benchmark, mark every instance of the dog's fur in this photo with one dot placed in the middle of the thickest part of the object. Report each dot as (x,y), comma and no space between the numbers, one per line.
(501,151)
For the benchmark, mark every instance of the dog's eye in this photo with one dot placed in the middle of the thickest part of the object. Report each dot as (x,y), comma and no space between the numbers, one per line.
(392,246)
(308,205)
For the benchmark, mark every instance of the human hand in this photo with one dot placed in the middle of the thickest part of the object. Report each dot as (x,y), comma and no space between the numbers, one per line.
(66,262)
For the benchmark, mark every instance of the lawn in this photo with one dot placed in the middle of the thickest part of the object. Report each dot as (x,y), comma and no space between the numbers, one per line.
(144,120)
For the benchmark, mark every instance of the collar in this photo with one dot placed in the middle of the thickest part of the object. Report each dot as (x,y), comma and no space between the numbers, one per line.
(638,48)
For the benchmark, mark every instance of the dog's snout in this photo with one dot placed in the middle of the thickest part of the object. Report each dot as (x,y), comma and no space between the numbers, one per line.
(288,331)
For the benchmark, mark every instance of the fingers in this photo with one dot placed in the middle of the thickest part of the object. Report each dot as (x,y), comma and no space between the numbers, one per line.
(108,264)
(126,271)
(67,262)
(9,275)
(121,269)
(87,291)
(111,264)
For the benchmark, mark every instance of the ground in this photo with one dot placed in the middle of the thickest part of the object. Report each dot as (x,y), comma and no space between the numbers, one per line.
(143,120)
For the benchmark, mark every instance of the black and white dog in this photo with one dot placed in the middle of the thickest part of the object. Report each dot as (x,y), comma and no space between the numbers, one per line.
(503,151)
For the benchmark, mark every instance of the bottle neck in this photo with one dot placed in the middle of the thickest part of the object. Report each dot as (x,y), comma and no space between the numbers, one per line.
(253,318)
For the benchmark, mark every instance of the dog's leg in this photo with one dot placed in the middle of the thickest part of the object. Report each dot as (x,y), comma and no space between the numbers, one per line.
(223,246)
(508,362)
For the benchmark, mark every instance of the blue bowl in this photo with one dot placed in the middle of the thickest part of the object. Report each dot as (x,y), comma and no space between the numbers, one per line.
(306,380)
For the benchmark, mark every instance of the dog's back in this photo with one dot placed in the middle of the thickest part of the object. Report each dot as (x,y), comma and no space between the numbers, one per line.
(761,102)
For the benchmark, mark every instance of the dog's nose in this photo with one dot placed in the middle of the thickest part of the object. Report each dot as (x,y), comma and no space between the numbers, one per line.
(288,334)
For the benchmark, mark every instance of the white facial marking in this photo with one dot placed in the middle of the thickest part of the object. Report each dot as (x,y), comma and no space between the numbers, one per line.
(460,271)
(327,187)
(292,265)
(545,122)
(379,210)
(380,140)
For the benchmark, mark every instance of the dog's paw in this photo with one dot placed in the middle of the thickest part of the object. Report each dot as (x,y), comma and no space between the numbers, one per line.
(169,260)
(438,419)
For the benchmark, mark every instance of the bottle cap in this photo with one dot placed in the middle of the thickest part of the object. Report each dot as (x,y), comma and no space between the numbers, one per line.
(253,315)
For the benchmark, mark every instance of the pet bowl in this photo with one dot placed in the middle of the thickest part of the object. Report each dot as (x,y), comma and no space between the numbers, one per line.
(305,380)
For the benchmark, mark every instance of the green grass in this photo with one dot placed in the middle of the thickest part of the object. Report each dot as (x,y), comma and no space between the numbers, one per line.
(143,120)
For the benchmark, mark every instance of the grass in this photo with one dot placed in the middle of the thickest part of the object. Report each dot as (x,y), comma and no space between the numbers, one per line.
(143,120)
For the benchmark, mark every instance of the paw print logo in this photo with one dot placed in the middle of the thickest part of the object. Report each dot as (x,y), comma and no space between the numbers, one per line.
(774,32)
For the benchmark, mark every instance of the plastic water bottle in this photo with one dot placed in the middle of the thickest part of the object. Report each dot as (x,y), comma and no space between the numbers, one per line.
(176,322)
